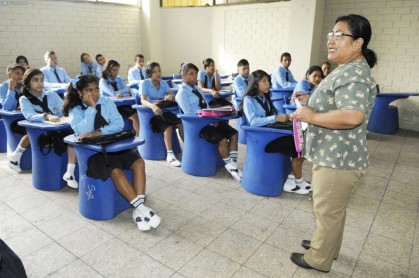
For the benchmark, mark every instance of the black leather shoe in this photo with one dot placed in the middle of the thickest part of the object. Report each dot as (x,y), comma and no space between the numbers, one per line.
(306,244)
(298,259)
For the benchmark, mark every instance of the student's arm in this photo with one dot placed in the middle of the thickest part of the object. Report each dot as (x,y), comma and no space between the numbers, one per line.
(168,91)
(28,111)
(250,111)
(239,86)
(82,121)
(217,80)
(84,68)
(3,92)
(202,85)
(106,89)
(67,78)
(282,80)
(114,119)
(121,84)
(56,101)
(145,102)
(182,99)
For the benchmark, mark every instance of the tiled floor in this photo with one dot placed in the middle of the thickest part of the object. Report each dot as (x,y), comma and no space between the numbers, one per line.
(211,227)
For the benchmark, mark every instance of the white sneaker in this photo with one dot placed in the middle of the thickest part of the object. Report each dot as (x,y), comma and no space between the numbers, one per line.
(234,172)
(290,186)
(173,161)
(71,180)
(141,220)
(306,185)
(233,162)
(151,217)
(15,165)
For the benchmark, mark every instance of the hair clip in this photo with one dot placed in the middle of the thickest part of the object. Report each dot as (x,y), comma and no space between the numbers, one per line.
(74,82)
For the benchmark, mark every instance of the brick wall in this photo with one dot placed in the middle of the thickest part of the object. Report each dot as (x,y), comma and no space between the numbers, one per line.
(395,39)
(30,28)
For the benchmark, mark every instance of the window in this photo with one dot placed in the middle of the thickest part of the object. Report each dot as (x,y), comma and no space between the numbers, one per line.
(206,3)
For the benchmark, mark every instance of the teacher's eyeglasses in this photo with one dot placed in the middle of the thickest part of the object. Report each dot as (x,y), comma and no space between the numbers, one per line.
(338,35)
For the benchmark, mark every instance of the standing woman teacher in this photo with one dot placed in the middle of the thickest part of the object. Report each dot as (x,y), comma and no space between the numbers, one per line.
(337,114)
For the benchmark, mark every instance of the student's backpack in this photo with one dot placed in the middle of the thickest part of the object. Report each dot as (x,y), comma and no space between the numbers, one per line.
(216,112)
(53,140)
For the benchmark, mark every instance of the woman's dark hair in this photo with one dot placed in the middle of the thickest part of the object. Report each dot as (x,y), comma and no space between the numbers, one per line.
(108,66)
(26,81)
(186,67)
(313,69)
(72,98)
(360,27)
(149,68)
(81,57)
(207,62)
(21,57)
(252,88)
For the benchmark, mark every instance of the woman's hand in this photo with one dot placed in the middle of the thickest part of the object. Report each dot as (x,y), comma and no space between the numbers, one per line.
(304,114)
(91,134)
(51,118)
(157,111)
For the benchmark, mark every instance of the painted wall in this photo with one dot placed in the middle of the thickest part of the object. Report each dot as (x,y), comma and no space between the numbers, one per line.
(30,28)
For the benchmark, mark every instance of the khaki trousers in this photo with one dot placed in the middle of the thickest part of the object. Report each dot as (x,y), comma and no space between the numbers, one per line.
(332,189)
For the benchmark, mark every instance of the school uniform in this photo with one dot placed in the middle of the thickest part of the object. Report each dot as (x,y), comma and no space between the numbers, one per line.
(9,99)
(282,78)
(239,85)
(54,77)
(110,88)
(99,71)
(209,82)
(106,118)
(35,108)
(159,123)
(304,86)
(190,100)
(88,69)
(135,75)
(259,112)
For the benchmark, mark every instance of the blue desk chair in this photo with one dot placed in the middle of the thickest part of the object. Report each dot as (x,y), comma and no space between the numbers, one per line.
(199,157)
(279,94)
(13,138)
(264,173)
(99,200)
(290,108)
(154,147)
(240,121)
(3,137)
(47,170)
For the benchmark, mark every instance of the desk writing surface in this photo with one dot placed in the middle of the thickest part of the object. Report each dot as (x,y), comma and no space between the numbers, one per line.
(115,147)
(44,125)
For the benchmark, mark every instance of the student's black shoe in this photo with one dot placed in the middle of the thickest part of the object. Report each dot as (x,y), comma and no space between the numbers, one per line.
(306,244)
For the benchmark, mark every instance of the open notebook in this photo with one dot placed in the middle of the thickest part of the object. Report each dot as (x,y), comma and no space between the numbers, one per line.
(63,121)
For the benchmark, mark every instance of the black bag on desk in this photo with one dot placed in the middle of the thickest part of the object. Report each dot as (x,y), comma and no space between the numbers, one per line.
(219,102)
(287,125)
(166,103)
(53,140)
(107,139)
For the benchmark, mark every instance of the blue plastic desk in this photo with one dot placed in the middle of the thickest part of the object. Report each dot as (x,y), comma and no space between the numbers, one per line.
(279,94)
(154,147)
(13,138)
(176,82)
(384,117)
(264,173)
(3,137)
(47,170)
(199,157)
(99,200)
(123,101)
(223,94)
(289,108)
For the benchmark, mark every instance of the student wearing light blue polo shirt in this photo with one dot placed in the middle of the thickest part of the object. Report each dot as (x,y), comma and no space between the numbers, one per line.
(153,89)
(137,73)
(87,65)
(208,79)
(241,80)
(54,76)
(282,78)
(306,86)
(101,60)
(112,85)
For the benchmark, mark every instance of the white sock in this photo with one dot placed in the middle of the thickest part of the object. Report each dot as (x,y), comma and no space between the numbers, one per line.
(233,155)
(70,168)
(299,181)
(140,199)
(17,154)
(226,160)
(170,154)
(291,177)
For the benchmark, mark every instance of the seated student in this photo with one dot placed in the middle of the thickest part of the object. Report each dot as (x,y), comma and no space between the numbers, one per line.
(23,61)
(190,99)
(153,89)
(326,69)
(92,115)
(306,86)
(54,75)
(137,72)
(282,77)
(260,111)
(10,92)
(38,105)
(87,65)
(241,80)
(101,60)
(208,79)
(112,85)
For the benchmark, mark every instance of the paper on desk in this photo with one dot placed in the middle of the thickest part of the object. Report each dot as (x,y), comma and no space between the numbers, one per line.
(304,125)
(62,121)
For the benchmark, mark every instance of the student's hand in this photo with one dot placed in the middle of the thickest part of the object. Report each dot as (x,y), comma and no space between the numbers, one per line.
(91,134)
(119,95)
(215,93)
(157,111)
(169,97)
(52,118)
(13,84)
(282,118)
(87,98)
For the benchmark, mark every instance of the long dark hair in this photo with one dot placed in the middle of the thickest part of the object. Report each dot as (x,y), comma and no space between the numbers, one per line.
(26,82)
(360,27)
(108,66)
(21,57)
(72,98)
(253,91)
(149,68)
